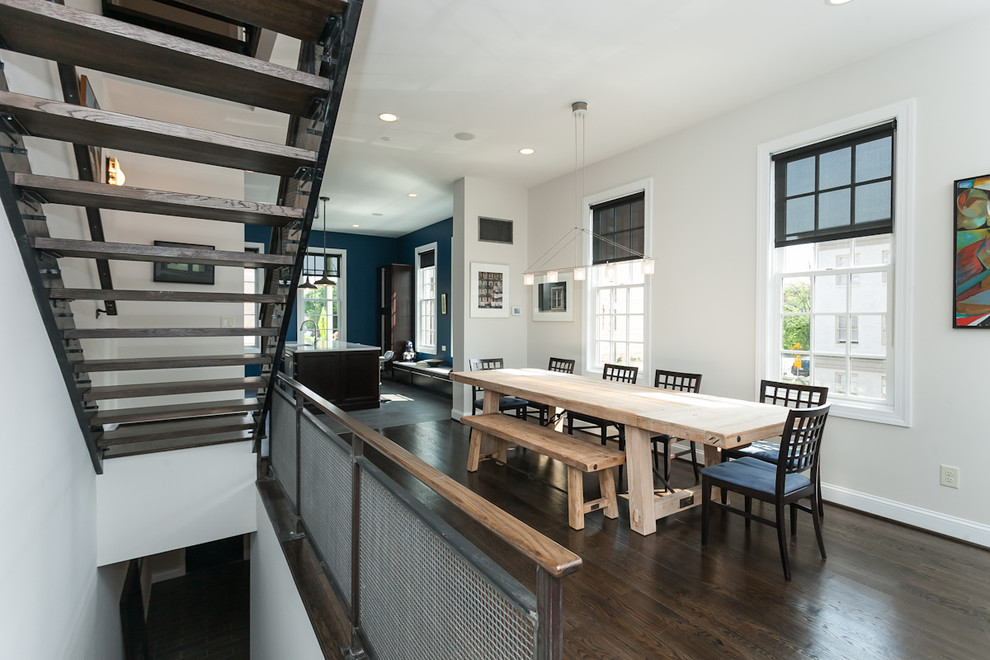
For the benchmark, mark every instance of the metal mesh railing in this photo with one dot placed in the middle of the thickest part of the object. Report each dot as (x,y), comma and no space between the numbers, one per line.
(283,442)
(421,597)
(325,489)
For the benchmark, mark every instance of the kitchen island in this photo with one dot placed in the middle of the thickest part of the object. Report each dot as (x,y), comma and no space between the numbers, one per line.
(344,373)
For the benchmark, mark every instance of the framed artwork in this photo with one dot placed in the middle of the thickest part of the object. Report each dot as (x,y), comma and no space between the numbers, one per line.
(489,290)
(971,301)
(183,273)
(552,300)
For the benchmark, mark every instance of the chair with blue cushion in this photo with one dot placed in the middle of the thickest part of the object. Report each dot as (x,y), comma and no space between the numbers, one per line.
(679,382)
(792,395)
(505,403)
(783,484)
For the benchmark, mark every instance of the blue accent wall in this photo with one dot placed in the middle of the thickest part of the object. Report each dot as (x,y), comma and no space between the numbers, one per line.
(365,254)
(439,233)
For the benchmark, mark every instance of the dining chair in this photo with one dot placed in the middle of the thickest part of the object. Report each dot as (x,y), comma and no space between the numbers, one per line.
(677,381)
(792,395)
(560,365)
(614,372)
(505,403)
(783,484)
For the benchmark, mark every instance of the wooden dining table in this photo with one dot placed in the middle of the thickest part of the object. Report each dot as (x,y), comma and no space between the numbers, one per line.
(714,422)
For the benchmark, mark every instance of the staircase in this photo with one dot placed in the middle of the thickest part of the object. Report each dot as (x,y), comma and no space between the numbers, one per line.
(215,410)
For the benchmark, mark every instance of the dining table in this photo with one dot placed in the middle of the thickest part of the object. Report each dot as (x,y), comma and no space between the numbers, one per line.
(711,421)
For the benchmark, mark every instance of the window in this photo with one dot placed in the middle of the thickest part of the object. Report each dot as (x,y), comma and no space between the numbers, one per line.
(320,313)
(254,282)
(426,298)
(617,290)
(836,226)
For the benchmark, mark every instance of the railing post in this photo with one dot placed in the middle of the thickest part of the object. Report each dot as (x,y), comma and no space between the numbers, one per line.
(356,649)
(300,406)
(549,611)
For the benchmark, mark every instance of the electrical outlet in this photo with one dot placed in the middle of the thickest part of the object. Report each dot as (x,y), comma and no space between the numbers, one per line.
(226,321)
(948,476)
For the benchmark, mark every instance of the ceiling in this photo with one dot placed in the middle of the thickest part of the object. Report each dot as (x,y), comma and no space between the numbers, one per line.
(508,71)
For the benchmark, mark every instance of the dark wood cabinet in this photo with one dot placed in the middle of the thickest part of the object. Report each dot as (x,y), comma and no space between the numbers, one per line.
(395,307)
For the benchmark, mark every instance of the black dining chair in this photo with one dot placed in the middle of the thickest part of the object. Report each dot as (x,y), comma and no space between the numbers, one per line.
(618,373)
(783,484)
(505,403)
(542,410)
(792,395)
(678,381)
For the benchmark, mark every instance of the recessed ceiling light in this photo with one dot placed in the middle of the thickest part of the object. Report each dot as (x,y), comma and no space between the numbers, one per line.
(413,195)
(388,116)
(355,226)
(836,3)
(527,151)
(464,136)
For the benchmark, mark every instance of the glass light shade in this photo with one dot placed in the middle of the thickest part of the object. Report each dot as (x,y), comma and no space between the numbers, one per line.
(528,279)
(551,276)
(610,271)
(580,273)
(648,266)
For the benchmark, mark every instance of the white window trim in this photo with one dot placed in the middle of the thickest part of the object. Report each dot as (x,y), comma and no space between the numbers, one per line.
(587,328)
(342,278)
(898,411)
(436,309)
(259,285)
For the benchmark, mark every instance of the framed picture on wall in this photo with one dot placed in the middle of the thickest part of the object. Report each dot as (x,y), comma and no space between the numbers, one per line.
(971,217)
(489,290)
(552,300)
(181,272)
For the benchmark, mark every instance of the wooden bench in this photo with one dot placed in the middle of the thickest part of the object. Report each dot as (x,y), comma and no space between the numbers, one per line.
(578,455)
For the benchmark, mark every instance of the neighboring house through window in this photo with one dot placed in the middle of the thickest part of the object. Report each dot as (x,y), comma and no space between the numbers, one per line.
(837,216)
(426,298)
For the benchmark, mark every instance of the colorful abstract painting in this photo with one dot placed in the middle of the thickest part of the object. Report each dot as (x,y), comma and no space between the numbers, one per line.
(972,262)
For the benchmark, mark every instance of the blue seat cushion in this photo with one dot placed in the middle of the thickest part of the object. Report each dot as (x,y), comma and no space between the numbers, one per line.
(761,449)
(504,403)
(754,474)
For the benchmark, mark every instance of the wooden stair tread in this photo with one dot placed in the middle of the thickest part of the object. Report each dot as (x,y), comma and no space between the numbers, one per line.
(57,190)
(56,32)
(302,19)
(150,333)
(163,296)
(137,363)
(174,411)
(171,444)
(177,387)
(68,247)
(55,120)
(176,428)
(587,456)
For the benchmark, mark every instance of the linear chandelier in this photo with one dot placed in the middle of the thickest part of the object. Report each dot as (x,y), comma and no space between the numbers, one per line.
(540,267)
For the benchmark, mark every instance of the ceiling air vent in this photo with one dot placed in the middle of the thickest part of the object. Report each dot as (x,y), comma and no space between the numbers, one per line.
(493,230)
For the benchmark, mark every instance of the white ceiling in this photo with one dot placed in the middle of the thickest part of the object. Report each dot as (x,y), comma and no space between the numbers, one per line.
(507,71)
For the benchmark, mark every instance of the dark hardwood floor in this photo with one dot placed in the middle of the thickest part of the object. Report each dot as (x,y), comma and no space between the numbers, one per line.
(885,591)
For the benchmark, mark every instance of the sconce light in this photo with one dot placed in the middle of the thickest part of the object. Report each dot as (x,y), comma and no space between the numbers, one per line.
(115,175)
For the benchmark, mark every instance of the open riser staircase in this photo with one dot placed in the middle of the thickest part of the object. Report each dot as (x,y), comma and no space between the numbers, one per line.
(111,417)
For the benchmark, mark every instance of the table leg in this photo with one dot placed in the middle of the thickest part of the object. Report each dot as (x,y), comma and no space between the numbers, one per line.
(640,474)
(491,445)
(557,414)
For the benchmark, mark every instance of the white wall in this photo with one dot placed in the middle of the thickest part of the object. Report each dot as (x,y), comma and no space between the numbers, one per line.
(157,502)
(704,293)
(487,337)
(280,626)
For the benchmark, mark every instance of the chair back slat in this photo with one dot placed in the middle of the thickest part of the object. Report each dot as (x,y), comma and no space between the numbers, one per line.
(561,365)
(486,364)
(677,380)
(620,373)
(801,442)
(792,395)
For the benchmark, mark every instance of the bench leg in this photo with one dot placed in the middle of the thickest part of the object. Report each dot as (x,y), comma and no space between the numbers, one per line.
(575,498)
(607,483)
(474,450)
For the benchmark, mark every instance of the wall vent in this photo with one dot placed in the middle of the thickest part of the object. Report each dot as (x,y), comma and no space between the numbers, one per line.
(493,230)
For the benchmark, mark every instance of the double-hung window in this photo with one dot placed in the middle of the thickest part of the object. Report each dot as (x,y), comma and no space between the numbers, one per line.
(617,286)
(320,313)
(831,304)
(426,298)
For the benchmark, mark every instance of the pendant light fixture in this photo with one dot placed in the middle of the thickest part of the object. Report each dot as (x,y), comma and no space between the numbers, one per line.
(325,281)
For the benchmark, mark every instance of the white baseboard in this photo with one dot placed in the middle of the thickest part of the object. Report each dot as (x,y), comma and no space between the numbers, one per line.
(456,414)
(940,523)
